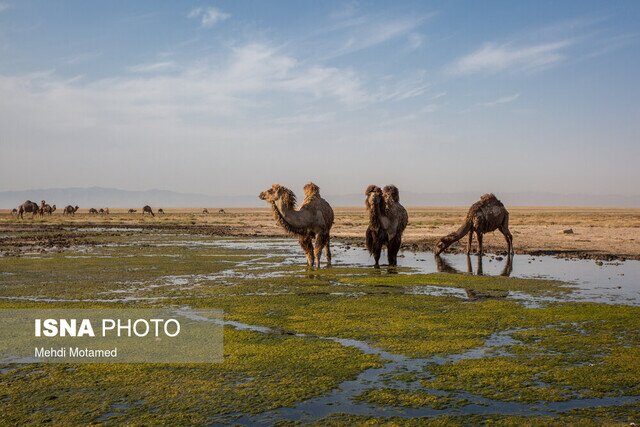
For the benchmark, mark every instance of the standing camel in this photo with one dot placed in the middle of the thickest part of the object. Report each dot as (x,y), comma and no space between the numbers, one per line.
(70,210)
(312,220)
(132,211)
(28,206)
(387,221)
(14,212)
(205,211)
(46,209)
(486,215)
(221,211)
(147,209)
(93,211)
(160,211)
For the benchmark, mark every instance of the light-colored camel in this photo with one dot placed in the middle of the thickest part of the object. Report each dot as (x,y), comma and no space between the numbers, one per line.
(28,207)
(312,220)
(70,210)
(147,209)
(387,221)
(486,215)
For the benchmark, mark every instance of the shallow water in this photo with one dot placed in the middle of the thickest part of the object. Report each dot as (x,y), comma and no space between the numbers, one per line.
(609,282)
(343,399)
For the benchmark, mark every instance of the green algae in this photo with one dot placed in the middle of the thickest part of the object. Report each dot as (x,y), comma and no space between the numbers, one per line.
(562,351)
(406,399)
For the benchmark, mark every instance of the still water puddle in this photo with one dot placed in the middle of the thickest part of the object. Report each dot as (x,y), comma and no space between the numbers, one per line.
(609,282)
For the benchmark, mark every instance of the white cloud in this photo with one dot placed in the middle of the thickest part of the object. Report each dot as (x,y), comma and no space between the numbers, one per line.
(153,67)
(209,16)
(415,40)
(365,33)
(499,101)
(493,58)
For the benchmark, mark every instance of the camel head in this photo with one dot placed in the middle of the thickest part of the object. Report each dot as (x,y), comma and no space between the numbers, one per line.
(278,192)
(391,193)
(374,195)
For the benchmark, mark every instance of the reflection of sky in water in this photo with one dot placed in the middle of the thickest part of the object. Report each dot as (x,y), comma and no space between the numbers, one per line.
(612,282)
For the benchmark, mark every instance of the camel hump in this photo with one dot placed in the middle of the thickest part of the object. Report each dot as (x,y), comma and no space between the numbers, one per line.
(311,189)
(393,192)
(372,188)
(489,197)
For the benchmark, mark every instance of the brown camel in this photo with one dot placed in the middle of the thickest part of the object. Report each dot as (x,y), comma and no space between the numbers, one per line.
(221,211)
(387,221)
(147,209)
(486,215)
(205,211)
(70,210)
(47,209)
(160,211)
(132,211)
(93,211)
(14,211)
(101,211)
(28,206)
(313,219)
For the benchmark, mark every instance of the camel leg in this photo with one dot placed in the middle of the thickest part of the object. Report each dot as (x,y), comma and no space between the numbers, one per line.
(392,251)
(480,253)
(470,241)
(307,246)
(328,250)
(321,241)
(508,237)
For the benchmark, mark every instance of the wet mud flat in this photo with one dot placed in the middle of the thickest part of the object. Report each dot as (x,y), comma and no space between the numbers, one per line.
(529,340)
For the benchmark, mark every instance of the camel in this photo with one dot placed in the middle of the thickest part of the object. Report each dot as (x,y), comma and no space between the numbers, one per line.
(132,211)
(221,211)
(205,211)
(387,221)
(147,209)
(313,219)
(160,211)
(486,215)
(14,211)
(28,206)
(70,210)
(106,211)
(93,211)
(101,211)
(46,209)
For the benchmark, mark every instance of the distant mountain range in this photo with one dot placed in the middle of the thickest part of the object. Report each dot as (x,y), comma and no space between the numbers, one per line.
(112,197)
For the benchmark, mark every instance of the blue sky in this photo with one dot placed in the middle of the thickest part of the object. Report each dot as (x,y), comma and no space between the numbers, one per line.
(226,97)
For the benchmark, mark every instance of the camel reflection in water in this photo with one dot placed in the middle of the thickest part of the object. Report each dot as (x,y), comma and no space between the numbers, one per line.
(444,267)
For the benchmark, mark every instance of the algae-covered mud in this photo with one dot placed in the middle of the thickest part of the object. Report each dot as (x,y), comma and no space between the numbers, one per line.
(532,340)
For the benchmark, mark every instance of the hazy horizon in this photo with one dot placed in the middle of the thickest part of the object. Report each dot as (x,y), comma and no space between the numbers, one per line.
(227,97)
(113,197)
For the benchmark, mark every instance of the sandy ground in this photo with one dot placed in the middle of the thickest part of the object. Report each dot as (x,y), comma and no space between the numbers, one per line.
(602,233)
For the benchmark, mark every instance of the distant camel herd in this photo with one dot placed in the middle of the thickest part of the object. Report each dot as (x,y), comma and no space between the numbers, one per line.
(44,208)
(311,222)
(387,221)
